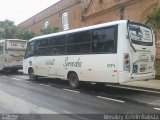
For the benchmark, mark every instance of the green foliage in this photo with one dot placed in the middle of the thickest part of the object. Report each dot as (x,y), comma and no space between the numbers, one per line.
(24,34)
(154,17)
(8,30)
(49,30)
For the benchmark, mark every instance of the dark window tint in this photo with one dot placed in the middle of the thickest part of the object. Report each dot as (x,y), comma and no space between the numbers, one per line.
(56,50)
(95,41)
(79,37)
(57,45)
(40,47)
(29,50)
(50,46)
(78,43)
(104,40)
(57,40)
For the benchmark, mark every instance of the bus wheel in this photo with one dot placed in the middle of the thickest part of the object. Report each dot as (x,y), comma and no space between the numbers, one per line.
(73,80)
(31,75)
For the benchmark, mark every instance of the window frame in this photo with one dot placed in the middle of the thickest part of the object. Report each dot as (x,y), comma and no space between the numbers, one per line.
(65,20)
(65,43)
(45,24)
(115,27)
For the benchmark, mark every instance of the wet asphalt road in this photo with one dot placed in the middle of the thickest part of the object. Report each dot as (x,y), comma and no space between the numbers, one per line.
(52,96)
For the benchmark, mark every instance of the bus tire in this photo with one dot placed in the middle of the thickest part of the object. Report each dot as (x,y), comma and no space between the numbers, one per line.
(73,80)
(32,76)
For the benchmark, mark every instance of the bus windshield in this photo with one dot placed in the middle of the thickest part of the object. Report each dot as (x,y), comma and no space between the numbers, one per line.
(140,34)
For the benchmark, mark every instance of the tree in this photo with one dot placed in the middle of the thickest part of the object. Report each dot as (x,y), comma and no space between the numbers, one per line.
(8,29)
(24,34)
(49,30)
(154,18)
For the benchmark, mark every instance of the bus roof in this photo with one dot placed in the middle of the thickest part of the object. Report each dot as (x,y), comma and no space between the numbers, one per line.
(80,29)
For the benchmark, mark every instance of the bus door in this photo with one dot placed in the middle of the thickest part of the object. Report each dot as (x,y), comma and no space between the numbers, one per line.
(42,65)
(50,64)
(142,43)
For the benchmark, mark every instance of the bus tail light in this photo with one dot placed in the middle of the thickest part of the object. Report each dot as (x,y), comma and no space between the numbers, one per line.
(126,62)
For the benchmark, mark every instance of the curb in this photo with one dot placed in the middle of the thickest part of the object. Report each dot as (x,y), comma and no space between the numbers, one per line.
(136,88)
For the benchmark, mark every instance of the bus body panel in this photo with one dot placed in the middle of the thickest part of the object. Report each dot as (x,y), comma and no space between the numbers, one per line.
(13,59)
(87,67)
(129,77)
(143,58)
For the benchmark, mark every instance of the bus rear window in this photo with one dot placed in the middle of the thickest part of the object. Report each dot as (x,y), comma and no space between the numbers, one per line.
(140,34)
(16,45)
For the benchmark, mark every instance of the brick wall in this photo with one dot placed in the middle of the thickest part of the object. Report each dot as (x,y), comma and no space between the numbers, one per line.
(92,12)
(53,15)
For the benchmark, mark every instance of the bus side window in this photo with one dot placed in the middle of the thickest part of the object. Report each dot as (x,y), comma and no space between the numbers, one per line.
(60,45)
(53,51)
(37,47)
(97,40)
(78,43)
(57,45)
(103,40)
(41,47)
(85,42)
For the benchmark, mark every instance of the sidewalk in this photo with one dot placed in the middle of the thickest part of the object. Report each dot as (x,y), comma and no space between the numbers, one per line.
(148,84)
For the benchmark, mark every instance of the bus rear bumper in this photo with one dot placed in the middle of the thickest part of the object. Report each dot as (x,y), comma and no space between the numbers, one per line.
(127,77)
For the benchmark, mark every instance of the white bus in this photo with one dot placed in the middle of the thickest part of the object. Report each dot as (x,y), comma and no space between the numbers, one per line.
(12,52)
(114,52)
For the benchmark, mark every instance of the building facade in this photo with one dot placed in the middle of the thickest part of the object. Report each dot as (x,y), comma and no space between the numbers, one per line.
(71,14)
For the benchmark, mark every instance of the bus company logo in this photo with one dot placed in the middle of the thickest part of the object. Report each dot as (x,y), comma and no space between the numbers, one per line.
(68,63)
(143,58)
